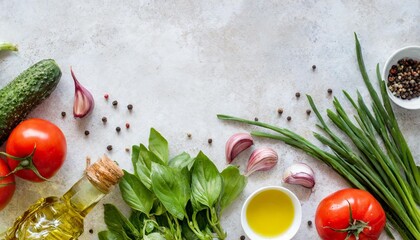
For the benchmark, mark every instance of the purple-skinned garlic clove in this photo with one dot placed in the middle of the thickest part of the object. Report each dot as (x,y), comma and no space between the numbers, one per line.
(236,144)
(83,99)
(301,174)
(261,159)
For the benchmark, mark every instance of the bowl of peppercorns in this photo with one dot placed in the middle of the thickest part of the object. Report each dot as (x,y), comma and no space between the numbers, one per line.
(402,77)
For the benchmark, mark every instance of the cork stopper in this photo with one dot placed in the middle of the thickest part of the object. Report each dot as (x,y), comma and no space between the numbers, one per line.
(104,174)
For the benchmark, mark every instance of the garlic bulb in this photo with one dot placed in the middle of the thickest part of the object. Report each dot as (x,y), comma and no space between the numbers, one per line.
(236,144)
(261,159)
(83,99)
(301,174)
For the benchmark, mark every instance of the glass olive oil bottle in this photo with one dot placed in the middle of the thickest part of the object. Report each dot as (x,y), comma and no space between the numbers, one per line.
(62,217)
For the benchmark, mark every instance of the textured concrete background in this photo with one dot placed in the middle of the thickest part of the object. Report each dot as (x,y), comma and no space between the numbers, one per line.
(180,63)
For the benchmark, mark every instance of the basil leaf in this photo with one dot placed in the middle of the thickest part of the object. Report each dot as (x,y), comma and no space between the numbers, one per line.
(118,224)
(108,235)
(181,161)
(172,188)
(233,184)
(135,194)
(206,181)
(135,157)
(143,165)
(154,236)
(137,219)
(158,145)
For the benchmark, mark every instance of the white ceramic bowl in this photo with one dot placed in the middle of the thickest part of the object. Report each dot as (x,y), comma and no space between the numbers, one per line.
(290,232)
(412,52)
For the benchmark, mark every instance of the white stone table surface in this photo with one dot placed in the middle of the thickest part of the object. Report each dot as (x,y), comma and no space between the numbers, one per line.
(182,62)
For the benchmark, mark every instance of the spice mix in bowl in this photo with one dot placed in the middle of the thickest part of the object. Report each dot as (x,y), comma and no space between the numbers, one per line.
(402,75)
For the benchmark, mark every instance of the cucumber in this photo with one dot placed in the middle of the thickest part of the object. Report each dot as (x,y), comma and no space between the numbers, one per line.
(26,92)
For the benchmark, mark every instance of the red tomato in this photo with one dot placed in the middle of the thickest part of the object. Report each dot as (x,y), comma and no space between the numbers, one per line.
(50,152)
(333,213)
(7,184)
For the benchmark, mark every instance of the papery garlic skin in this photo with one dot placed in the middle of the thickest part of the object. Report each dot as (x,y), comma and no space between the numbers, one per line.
(300,174)
(236,144)
(83,99)
(261,159)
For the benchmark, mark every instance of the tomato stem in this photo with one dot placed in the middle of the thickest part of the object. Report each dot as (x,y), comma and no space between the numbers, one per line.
(355,226)
(24,163)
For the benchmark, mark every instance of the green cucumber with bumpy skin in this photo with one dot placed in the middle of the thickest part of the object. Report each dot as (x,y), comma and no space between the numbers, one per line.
(26,92)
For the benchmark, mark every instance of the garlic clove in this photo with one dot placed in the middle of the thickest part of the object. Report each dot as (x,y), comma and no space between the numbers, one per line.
(300,174)
(83,99)
(236,144)
(261,159)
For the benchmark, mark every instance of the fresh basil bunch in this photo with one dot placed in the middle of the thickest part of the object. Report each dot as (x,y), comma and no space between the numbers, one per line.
(177,198)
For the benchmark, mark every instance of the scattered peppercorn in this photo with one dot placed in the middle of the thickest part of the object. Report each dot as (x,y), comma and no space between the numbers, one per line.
(130,107)
(91,231)
(118,129)
(309,223)
(106,96)
(404,79)
(127,149)
(114,103)
(87,132)
(63,114)
(242,237)
(104,119)
(280,111)
(297,94)
(308,111)
(127,125)
(329,91)
(289,118)
(313,67)
(109,147)
(189,135)
(210,140)
(256,119)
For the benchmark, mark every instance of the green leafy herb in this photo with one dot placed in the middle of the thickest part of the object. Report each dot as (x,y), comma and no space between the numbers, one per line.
(174,195)
(178,199)
(233,183)
(135,194)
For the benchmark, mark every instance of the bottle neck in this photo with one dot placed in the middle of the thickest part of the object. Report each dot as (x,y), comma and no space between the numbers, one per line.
(83,196)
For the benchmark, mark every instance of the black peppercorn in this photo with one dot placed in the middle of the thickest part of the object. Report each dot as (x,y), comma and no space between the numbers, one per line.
(313,67)
(130,107)
(118,129)
(63,114)
(87,132)
(91,231)
(308,111)
(309,223)
(189,135)
(104,119)
(210,140)
(289,118)
(256,119)
(114,103)
(242,237)
(329,90)
(109,147)
(280,111)
(297,94)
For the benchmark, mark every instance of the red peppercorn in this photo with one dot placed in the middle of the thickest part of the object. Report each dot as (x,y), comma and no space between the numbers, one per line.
(127,125)
(106,96)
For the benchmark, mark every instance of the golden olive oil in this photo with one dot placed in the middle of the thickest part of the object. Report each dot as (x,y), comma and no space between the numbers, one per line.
(55,218)
(270,213)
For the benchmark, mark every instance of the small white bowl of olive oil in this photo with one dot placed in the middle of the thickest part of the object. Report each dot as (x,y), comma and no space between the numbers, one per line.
(271,213)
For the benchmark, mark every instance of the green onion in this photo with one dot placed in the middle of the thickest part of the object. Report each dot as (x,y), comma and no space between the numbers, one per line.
(375,158)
